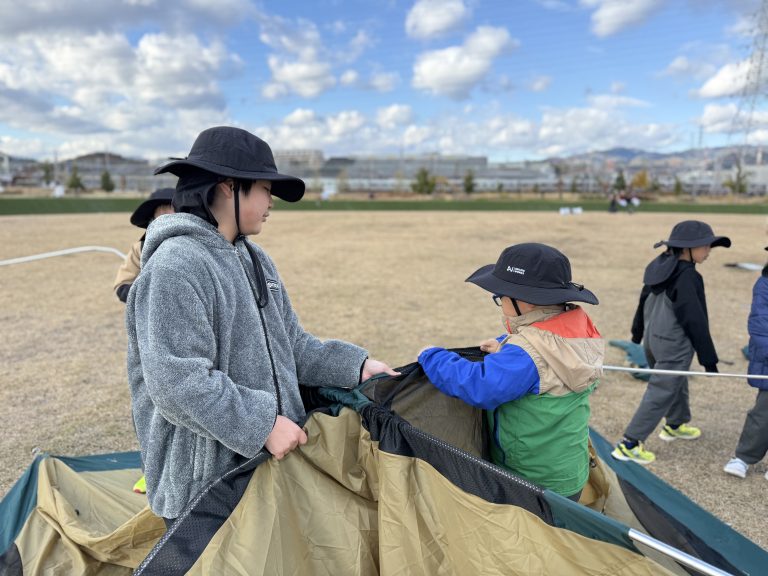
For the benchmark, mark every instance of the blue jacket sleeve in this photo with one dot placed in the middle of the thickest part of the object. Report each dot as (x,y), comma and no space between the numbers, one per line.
(501,377)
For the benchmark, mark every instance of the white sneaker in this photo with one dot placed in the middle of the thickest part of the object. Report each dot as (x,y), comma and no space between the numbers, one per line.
(766,475)
(737,467)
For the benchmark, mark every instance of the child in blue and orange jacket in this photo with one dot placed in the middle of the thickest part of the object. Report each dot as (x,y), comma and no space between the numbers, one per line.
(536,380)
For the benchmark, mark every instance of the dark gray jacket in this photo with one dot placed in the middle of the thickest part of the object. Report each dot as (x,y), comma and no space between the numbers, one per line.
(203,389)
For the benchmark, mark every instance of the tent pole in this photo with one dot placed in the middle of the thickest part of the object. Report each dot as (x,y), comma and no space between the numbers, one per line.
(62,253)
(684,372)
(677,555)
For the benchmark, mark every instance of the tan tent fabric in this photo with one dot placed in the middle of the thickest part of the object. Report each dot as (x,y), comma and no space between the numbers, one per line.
(369,512)
(87,523)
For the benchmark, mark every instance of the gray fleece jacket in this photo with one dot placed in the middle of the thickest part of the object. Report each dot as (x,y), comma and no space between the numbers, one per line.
(203,389)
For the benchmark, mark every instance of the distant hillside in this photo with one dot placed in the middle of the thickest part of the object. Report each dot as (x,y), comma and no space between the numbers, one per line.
(633,155)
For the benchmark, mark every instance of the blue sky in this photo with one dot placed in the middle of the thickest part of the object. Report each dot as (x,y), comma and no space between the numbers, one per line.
(510,79)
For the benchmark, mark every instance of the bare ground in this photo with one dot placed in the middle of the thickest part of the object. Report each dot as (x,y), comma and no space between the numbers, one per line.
(390,281)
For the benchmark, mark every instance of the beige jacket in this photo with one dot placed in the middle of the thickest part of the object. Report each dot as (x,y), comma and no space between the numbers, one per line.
(130,267)
(566,347)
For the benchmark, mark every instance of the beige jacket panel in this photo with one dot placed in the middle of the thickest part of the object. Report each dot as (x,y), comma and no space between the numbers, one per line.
(130,267)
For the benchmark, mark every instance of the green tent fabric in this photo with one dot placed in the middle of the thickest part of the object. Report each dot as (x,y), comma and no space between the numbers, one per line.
(370,493)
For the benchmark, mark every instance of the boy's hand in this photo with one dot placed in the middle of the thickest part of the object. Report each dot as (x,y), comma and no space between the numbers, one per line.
(490,346)
(372,367)
(285,436)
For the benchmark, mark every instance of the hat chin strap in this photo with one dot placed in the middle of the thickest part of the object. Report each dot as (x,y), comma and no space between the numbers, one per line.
(262,291)
(517,308)
(236,190)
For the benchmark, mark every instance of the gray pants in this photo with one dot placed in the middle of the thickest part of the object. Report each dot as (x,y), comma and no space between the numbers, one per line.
(753,443)
(666,348)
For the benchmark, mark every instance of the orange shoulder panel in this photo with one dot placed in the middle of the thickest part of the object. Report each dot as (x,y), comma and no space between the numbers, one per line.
(572,324)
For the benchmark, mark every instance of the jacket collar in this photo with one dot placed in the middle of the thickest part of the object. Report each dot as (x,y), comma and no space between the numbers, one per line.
(514,323)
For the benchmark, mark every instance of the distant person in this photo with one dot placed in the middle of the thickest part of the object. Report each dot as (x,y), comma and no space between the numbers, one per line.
(536,380)
(633,202)
(158,203)
(613,205)
(58,190)
(753,442)
(215,349)
(672,322)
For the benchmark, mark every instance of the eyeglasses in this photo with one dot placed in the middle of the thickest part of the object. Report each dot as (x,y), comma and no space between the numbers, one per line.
(497,299)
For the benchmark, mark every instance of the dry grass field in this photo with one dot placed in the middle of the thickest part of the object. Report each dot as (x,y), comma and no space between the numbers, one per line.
(390,281)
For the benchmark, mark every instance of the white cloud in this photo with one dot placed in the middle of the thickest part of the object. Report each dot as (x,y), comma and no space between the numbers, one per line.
(181,71)
(698,61)
(305,78)
(384,81)
(540,83)
(415,135)
(349,78)
(88,17)
(730,119)
(612,16)
(300,116)
(23,147)
(577,130)
(301,63)
(456,70)
(607,101)
(683,66)
(729,80)
(718,118)
(560,5)
(393,116)
(345,122)
(431,18)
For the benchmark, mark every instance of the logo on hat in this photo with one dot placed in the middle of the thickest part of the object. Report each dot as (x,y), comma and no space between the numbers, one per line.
(514,270)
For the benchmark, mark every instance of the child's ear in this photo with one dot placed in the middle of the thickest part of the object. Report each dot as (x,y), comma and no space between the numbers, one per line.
(227,187)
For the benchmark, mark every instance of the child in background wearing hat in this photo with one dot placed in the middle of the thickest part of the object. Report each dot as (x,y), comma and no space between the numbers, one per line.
(536,380)
(672,322)
(215,349)
(753,442)
(158,203)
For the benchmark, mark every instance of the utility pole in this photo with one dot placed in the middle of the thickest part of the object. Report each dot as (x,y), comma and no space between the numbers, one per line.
(754,85)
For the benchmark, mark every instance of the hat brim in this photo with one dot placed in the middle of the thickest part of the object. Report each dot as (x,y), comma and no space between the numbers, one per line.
(485,278)
(712,241)
(288,188)
(144,214)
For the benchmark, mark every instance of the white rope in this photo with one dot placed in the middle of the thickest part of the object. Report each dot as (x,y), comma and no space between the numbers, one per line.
(677,555)
(62,253)
(684,372)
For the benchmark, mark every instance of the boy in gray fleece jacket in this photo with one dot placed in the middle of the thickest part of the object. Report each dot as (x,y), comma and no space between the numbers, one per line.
(215,350)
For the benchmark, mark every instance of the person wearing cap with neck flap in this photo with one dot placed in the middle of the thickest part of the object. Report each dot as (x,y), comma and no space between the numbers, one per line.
(536,380)
(753,441)
(158,203)
(215,350)
(672,322)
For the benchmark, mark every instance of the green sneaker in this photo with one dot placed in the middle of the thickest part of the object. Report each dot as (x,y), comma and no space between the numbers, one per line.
(141,485)
(683,432)
(637,454)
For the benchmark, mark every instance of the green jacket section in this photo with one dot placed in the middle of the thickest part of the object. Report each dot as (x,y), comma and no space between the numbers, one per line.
(546,436)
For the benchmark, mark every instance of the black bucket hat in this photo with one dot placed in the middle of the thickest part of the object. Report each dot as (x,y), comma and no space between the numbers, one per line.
(534,273)
(692,234)
(235,153)
(145,212)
